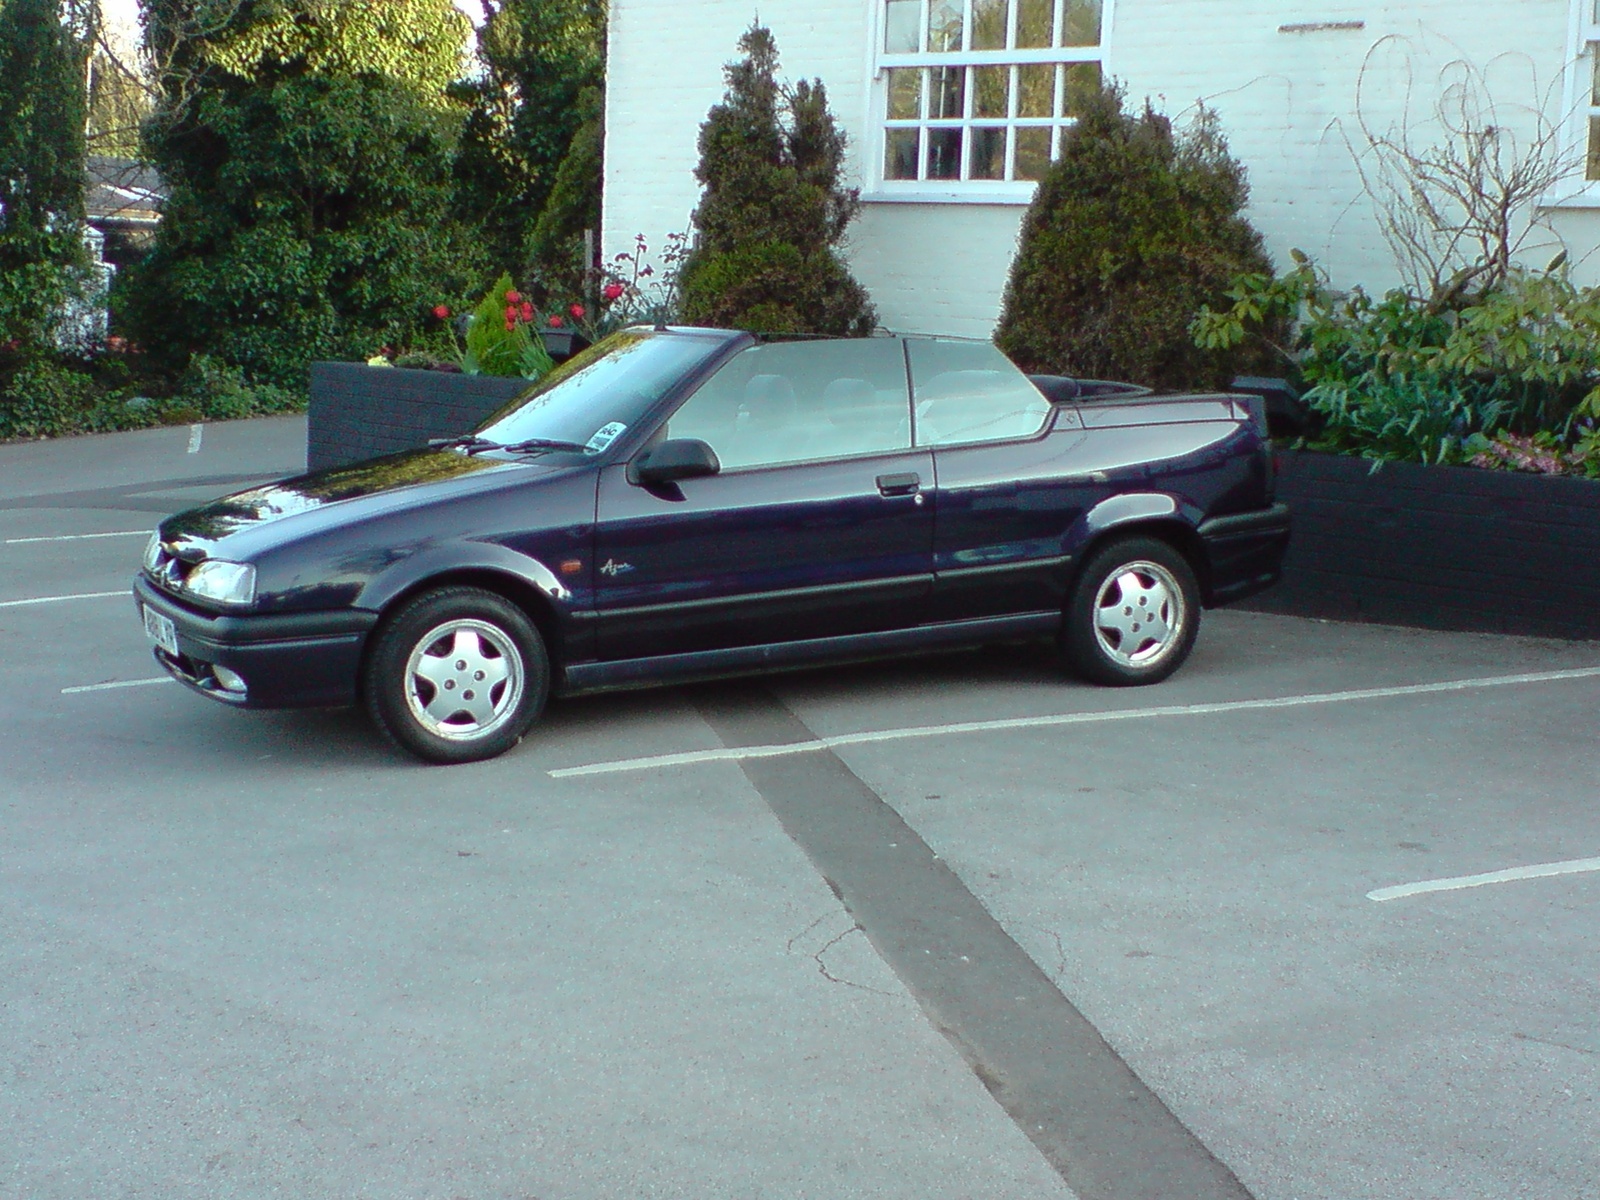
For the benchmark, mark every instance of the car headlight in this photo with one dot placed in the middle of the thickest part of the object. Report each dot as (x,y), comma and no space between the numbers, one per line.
(152,552)
(224,582)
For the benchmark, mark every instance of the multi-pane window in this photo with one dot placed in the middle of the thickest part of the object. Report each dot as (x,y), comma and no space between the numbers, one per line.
(1590,45)
(978,90)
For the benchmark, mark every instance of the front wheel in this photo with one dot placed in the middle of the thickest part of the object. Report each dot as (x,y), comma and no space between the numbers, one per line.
(457,675)
(1134,615)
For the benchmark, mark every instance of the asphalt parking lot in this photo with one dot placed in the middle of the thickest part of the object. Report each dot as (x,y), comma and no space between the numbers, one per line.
(1314,919)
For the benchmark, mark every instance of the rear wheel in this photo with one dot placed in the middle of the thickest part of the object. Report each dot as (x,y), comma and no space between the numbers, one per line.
(457,675)
(1134,615)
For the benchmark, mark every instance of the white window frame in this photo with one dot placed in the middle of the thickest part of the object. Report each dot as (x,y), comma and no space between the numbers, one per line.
(1577,105)
(879,189)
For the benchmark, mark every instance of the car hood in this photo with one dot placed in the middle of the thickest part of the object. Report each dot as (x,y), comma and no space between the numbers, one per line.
(252,519)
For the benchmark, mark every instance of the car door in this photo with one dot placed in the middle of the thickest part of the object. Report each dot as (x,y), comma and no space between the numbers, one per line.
(815,526)
(1007,483)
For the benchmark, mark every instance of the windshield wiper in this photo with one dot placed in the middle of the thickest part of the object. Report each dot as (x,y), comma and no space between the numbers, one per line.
(530,444)
(470,442)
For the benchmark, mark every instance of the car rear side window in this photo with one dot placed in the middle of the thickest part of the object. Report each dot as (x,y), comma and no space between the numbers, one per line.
(791,402)
(970,392)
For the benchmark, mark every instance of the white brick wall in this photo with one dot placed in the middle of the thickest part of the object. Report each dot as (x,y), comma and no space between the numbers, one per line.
(1287,103)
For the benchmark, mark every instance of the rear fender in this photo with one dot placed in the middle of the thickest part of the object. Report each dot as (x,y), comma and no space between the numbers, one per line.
(1131,508)
(1160,515)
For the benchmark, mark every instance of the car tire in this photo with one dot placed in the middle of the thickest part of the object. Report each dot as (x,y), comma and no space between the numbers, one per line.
(1134,614)
(456,675)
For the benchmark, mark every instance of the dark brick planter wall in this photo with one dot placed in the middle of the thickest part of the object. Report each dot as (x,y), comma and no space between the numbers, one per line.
(359,411)
(1439,547)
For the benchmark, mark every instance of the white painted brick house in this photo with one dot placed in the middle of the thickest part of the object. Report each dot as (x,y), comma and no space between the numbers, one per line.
(950,105)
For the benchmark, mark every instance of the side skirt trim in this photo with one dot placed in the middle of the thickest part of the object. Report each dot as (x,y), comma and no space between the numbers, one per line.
(740,660)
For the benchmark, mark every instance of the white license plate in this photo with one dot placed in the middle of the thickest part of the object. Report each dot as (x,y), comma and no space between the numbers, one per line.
(161,631)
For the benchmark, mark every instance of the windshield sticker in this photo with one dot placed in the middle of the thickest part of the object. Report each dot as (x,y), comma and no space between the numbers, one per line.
(604,436)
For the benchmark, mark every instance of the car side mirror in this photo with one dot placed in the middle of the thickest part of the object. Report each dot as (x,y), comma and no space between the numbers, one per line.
(675,459)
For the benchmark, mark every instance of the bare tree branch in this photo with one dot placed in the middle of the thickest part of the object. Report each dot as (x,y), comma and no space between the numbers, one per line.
(1457,192)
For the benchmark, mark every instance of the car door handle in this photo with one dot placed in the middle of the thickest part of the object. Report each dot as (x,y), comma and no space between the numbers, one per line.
(903,484)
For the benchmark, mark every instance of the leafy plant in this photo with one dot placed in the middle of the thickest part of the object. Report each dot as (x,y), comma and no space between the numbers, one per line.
(1408,379)
(1129,235)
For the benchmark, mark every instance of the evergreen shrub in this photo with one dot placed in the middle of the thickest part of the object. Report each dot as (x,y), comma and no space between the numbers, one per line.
(773,213)
(1131,233)
(309,150)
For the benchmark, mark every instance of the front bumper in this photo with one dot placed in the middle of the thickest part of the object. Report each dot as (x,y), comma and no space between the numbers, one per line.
(1245,551)
(287,660)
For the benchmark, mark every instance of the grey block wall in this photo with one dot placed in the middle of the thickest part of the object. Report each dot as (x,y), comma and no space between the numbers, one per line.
(1439,547)
(359,411)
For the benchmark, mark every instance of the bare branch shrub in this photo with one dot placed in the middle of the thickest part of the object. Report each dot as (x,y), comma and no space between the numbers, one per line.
(1457,192)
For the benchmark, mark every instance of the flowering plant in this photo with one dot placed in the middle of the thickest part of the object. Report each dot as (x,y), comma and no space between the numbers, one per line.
(1539,453)
(500,340)
(630,292)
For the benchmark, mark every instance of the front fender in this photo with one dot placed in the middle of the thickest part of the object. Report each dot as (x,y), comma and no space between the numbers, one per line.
(438,560)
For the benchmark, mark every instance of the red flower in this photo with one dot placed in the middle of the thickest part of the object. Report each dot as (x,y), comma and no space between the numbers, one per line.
(511,323)
(527,311)
(612,292)
(513,297)
(511,312)
(577,312)
(555,322)
(442,311)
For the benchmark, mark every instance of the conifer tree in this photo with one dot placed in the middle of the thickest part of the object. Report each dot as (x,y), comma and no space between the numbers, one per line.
(556,245)
(773,212)
(41,169)
(529,115)
(1130,233)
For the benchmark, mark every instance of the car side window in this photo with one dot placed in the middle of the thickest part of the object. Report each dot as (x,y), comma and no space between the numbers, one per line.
(787,402)
(970,392)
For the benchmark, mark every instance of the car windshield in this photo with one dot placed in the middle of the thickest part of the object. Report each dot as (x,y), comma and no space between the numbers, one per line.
(591,399)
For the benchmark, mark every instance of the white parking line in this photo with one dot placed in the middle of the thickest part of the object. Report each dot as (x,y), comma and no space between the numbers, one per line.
(1572,866)
(196,432)
(58,599)
(118,683)
(1082,718)
(75,537)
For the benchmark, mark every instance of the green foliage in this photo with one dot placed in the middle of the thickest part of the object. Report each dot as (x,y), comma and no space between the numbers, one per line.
(1130,233)
(41,170)
(310,184)
(416,42)
(47,397)
(42,397)
(216,391)
(1406,379)
(556,248)
(773,212)
(499,338)
(525,117)
(118,103)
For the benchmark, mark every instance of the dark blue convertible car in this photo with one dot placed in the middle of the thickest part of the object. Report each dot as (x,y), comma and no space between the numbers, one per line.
(679,503)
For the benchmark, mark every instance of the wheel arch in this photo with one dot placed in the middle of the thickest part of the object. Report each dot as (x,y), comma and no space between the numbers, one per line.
(1145,515)
(516,588)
